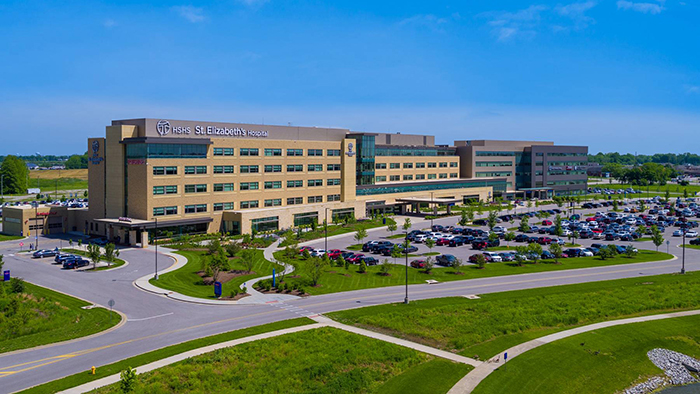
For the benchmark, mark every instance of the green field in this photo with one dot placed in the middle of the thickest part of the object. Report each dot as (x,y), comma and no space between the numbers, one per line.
(498,321)
(323,360)
(336,279)
(603,361)
(186,281)
(40,316)
(672,188)
(117,263)
(5,237)
(692,246)
(339,229)
(146,358)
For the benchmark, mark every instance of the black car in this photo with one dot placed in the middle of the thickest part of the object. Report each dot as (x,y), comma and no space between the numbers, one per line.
(60,258)
(445,259)
(39,254)
(695,241)
(521,238)
(573,252)
(369,260)
(457,241)
(480,222)
(377,248)
(75,263)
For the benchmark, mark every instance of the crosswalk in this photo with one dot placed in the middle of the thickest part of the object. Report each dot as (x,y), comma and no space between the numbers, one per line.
(293,309)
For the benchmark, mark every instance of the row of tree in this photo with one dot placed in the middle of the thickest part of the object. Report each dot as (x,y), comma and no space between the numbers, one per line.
(14,174)
(646,174)
(630,159)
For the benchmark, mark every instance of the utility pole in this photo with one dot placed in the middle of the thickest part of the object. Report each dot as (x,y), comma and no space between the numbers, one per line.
(683,264)
(155,241)
(405,250)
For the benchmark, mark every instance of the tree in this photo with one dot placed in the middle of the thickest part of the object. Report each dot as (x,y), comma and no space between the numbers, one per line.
(406,225)
(615,205)
(363,267)
(557,251)
(470,216)
(558,230)
(480,261)
(15,173)
(607,251)
(75,162)
(233,248)
(535,251)
(430,243)
(94,254)
(492,219)
(127,381)
(360,235)
(111,254)
(520,254)
(656,237)
(70,243)
(314,269)
(392,227)
(508,237)
(385,267)
(429,264)
(667,195)
(574,235)
(247,258)
(2,263)
(493,236)
(457,265)
(219,262)
(524,227)
(213,246)
(396,252)
(464,218)
(630,251)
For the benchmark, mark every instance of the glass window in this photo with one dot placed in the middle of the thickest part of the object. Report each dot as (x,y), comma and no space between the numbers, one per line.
(223,169)
(443,164)
(295,201)
(201,188)
(408,177)
(273,168)
(432,165)
(249,151)
(453,175)
(223,187)
(333,182)
(314,199)
(420,165)
(273,152)
(249,169)
(394,165)
(275,202)
(315,167)
(223,206)
(380,166)
(249,186)
(486,174)
(420,176)
(443,176)
(407,165)
(494,163)
(164,211)
(453,164)
(315,152)
(265,224)
(333,152)
(273,184)
(295,152)
(333,197)
(491,153)
(164,190)
(170,170)
(166,151)
(249,204)
(196,208)
(295,167)
(432,176)
(295,183)
(394,178)
(305,219)
(189,170)
(315,182)
(223,151)
(333,167)
(380,178)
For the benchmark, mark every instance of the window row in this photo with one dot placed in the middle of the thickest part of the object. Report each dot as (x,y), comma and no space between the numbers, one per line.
(418,177)
(244,169)
(275,152)
(394,166)
(229,187)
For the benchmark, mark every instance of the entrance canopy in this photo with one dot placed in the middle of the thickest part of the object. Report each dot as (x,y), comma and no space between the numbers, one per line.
(140,224)
(428,200)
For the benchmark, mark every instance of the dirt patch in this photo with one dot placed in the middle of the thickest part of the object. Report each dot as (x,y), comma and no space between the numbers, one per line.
(290,292)
(236,298)
(381,274)
(347,275)
(294,277)
(458,273)
(223,276)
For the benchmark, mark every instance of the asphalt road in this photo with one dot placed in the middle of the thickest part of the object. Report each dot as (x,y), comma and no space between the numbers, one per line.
(155,321)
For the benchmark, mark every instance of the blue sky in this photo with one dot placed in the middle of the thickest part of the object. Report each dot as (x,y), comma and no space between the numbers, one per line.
(616,75)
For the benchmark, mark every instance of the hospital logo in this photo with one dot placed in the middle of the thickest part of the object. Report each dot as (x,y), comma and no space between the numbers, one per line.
(163,127)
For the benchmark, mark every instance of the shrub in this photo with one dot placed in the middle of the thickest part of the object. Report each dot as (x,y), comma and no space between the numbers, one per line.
(363,267)
(128,380)
(16,285)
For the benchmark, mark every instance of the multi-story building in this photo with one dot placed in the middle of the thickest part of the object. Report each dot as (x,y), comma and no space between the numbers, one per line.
(196,177)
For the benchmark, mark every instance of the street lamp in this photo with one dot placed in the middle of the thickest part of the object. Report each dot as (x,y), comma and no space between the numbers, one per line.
(431,207)
(405,250)
(683,264)
(36,227)
(155,242)
(325,228)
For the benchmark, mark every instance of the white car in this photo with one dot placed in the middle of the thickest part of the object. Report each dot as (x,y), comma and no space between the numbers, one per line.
(318,252)
(420,238)
(691,234)
(494,257)
(586,252)
(678,233)
(499,229)
(566,232)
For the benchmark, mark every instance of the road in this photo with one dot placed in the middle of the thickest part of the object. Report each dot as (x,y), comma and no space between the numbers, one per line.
(155,321)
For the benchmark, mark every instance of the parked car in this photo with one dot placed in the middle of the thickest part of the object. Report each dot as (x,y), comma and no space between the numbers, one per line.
(40,254)
(691,234)
(457,241)
(507,256)
(418,263)
(318,252)
(695,241)
(303,248)
(75,263)
(60,258)
(334,253)
(493,257)
(445,259)
(368,260)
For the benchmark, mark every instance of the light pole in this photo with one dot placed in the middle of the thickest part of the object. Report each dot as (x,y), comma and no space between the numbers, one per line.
(683,264)
(431,207)
(325,228)
(36,227)
(405,251)
(155,242)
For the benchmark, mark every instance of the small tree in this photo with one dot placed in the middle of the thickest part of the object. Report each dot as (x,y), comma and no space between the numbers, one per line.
(463,219)
(111,254)
(480,261)
(70,243)
(430,243)
(363,267)
(508,237)
(406,225)
(314,268)
(396,252)
(667,195)
(524,227)
(391,227)
(80,243)
(248,259)
(470,216)
(94,254)
(360,235)
(535,251)
(127,381)
(557,251)
(630,251)
(428,265)
(656,237)
(606,252)
(493,236)
(385,267)
(558,229)
(233,248)
(457,265)
(521,254)
(217,263)
(492,219)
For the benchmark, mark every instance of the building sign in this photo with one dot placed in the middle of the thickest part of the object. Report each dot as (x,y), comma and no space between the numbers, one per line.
(136,161)
(165,128)
(46,213)
(95,158)
(128,220)
(350,152)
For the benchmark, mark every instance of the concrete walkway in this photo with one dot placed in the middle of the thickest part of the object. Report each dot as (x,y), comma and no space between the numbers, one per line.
(257,297)
(397,341)
(182,356)
(468,383)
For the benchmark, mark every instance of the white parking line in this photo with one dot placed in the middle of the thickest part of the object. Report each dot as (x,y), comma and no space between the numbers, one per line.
(152,317)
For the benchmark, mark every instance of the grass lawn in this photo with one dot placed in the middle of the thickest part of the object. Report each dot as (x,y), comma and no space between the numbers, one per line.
(146,358)
(672,188)
(5,237)
(186,281)
(323,360)
(692,246)
(335,279)
(40,316)
(603,361)
(498,321)
(340,229)
(117,263)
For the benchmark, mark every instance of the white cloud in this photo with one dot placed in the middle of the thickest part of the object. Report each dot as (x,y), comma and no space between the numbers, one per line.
(109,23)
(192,14)
(253,3)
(646,8)
(425,20)
(577,13)
(690,89)
(528,22)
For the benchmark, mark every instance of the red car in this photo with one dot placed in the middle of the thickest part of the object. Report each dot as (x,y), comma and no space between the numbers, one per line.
(418,263)
(547,223)
(303,248)
(544,240)
(334,253)
(356,258)
(442,242)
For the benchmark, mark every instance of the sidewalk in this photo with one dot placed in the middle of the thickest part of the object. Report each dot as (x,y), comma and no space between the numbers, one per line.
(468,383)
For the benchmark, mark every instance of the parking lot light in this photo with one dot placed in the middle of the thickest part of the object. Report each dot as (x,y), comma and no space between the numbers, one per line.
(683,263)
